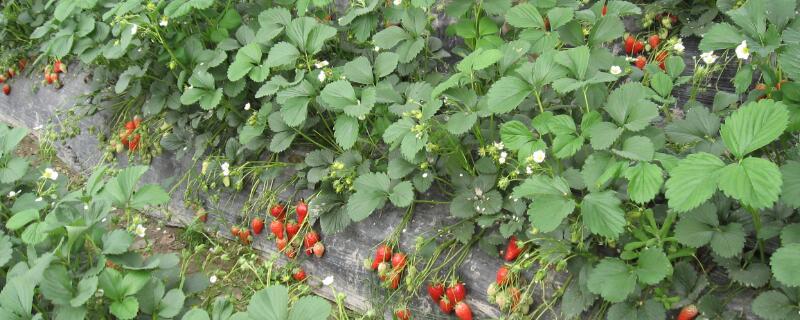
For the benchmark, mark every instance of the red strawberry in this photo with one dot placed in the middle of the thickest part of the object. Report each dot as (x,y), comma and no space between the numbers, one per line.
(309,240)
(302,211)
(512,251)
(244,235)
(638,47)
(319,249)
(654,40)
(502,275)
(278,211)
(276,227)
(292,228)
(446,306)
(6,89)
(456,292)
(630,41)
(395,277)
(258,225)
(402,314)
(661,57)
(203,217)
(281,243)
(399,261)
(640,62)
(134,143)
(463,312)
(604,11)
(383,253)
(235,231)
(58,67)
(299,274)
(130,125)
(687,313)
(291,252)
(436,291)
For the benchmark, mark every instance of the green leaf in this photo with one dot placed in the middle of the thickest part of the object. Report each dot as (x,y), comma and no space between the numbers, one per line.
(785,263)
(385,63)
(567,145)
(612,279)
(346,131)
(149,195)
(525,15)
(171,304)
(269,304)
(359,70)
(728,240)
(629,107)
(637,148)
(13,170)
(515,135)
(791,183)
(662,84)
(649,310)
(246,58)
(751,17)
(755,182)
(196,314)
(697,227)
(22,218)
(389,37)
(117,242)
(559,16)
(606,29)
(774,305)
(693,181)
(551,201)
(460,122)
(788,59)
(753,126)
(644,181)
(653,266)
(362,203)
(698,124)
(604,134)
(720,36)
(6,249)
(402,194)
(86,289)
(602,214)
(310,308)
(339,94)
(576,60)
(125,308)
(282,54)
(507,93)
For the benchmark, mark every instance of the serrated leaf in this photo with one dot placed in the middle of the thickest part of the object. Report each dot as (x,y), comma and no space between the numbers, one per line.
(460,122)
(612,279)
(629,107)
(525,15)
(644,181)
(720,36)
(755,182)
(402,194)
(753,126)
(774,305)
(637,148)
(604,134)
(359,70)
(728,240)
(345,130)
(785,263)
(602,214)
(791,184)
(693,181)
(507,93)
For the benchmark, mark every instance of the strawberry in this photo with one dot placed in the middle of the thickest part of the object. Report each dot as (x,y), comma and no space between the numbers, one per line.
(446,306)
(235,231)
(22,63)
(6,89)
(244,235)
(661,57)
(291,252)
(58,67)
(2,78)
(50,78)
(436,291)
(202,215)
(319,249)
(383,269)
(395,277)
(640,62)
(134,143)
(463,312)
(399,261)
(402,314)
(629,42)
(257,224)
(309,241)
(654,40)
(638,46)
(299,274)
(512,251)
(604,11)
(137,120)
(130,125)
(687,313)
(278,211)
(302,211)
(292,228)
(10,73)
(502,275)
(281,243)
(383,253)
(456,292)
(276,227)
(514,294)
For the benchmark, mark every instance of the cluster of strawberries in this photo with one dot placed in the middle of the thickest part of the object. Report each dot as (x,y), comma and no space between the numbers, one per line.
(127,138)
(451,299)
(503,291)
(390,266)
(51,73)
(634,46)
(285,231)
(10,73)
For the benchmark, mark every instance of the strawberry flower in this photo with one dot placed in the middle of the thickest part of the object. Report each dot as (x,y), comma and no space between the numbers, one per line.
(742,51)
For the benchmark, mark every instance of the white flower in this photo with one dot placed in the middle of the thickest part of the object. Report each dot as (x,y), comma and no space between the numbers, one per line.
(503,156)
(678,47)
(225,168)
(538,156)
(51,174)
(742,51)
(321,76)
(377,48)
(615,70)
(140,231)
(397,2)
(327,281)
(425,175)
(213,279)
(39,199)
(528,170)
(13,193)
(85,206)
(708,57)
(164,21)
(134,29)
(321,64)
(247,106)
(499,145)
